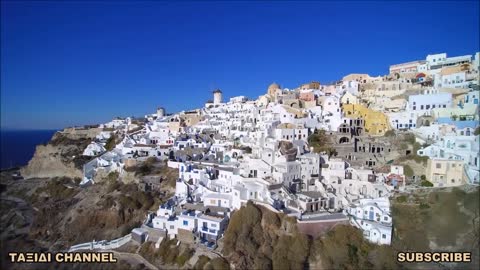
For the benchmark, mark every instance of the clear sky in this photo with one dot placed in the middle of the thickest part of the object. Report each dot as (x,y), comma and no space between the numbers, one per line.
(75,63)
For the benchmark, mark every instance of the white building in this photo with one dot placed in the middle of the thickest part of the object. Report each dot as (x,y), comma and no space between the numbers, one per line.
(94,149)
(210,227)
(424,104)
(373,217)
(217,97)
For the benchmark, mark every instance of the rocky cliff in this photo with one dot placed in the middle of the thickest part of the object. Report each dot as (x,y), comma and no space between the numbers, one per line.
(62,156)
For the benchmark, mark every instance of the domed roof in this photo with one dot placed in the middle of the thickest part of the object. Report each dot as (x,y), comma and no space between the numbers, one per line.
(274,86)
(217,91)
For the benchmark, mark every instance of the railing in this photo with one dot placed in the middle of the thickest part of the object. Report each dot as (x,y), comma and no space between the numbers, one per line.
(116,243)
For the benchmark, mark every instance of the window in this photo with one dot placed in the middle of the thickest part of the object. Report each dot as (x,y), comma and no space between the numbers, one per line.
(384,236)
(213,225)
(438,165)
(185,223)
(421,107)
(385,218)
(171,227)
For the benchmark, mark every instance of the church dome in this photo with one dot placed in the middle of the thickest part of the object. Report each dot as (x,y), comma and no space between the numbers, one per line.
(274,86)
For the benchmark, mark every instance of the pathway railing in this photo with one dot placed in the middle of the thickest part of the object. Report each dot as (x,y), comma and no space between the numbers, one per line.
(116,243)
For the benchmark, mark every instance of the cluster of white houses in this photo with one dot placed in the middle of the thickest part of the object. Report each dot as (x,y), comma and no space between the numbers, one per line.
(228,153)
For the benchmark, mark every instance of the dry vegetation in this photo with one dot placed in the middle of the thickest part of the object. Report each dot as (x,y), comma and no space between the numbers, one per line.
(260,239)
(446,220)
(321,142)
(167,254)
(345,248)
(71,149)
(66,214)
(205,263)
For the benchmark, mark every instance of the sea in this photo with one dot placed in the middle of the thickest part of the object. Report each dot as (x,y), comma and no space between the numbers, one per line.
(18,146)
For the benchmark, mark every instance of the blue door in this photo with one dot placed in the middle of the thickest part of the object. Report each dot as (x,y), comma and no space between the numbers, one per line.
(475,101)
(370,216)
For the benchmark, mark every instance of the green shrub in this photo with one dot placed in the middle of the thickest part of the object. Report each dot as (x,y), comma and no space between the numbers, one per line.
(171,255)
(420,159)
(201,262)
(150,161)
(144,169)
(416,147)
(408,171)
(410,138)
(390,133)
(424,206)
(247,149)
(477,131)
(426,184)
(111,142)
(219,264)
(320,142)
(402,199)
(184,257)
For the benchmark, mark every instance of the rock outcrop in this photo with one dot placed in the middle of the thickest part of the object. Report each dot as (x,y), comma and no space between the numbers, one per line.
(62,156)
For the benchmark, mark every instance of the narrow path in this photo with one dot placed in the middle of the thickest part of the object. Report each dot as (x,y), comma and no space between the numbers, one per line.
(131,258)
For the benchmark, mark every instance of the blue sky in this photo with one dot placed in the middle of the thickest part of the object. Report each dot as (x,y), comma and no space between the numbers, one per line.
(75,63)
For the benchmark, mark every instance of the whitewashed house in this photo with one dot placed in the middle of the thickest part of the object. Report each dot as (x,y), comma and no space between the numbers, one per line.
(373,217)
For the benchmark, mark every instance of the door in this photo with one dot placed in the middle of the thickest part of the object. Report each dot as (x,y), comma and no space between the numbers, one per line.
(370,216)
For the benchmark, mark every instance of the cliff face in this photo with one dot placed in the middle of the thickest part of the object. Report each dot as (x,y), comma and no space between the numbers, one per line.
(62,156)
(47,163)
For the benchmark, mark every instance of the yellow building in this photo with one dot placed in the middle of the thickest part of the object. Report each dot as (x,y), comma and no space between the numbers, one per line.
(445,172)
(376,123)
